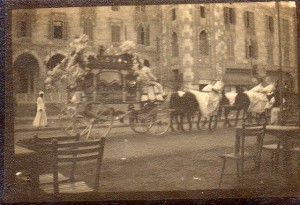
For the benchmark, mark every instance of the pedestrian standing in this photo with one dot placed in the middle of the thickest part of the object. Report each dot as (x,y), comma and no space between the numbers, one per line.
(41,116)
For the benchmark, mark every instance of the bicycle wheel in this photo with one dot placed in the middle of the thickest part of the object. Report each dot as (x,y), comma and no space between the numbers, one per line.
(140,122)
(101,125)
(161,121)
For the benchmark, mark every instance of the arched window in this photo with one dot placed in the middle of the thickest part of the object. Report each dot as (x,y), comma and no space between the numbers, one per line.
(230,47)
(175,51)
(141,35)
(88,28)
(148,35)
(203,44)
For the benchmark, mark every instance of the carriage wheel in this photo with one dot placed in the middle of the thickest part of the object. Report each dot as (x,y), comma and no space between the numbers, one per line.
(101,125)
(140,122)
(67,120)
(213,122)
(161,122)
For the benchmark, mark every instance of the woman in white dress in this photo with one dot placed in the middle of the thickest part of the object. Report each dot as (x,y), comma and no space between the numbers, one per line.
(41,116)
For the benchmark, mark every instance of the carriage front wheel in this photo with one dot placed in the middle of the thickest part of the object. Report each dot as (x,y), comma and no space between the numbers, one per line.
(161,121)
(140,121)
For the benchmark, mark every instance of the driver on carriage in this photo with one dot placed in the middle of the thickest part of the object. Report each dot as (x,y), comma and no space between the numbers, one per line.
(151,89)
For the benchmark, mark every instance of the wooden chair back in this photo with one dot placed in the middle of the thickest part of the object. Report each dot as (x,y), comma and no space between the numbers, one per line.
(74,152)
(257,130)
(43,144)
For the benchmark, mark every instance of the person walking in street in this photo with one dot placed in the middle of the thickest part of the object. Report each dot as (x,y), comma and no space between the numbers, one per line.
(41,116)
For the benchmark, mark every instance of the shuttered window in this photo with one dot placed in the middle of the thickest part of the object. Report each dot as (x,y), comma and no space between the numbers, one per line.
(174,45)
(202,11)
(58,26)
(270,54)
(58,29)
(203,43)
(230,47)
(229,16)
(249,20)
(143,35)
(173,14)
(24,25)
(88,28)
(251,49)
(148,35)
(115,34)
(286,42)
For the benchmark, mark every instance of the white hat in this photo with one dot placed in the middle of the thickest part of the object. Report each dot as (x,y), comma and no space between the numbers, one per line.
(41,92)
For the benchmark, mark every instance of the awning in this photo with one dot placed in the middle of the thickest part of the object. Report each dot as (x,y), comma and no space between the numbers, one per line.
(231,78)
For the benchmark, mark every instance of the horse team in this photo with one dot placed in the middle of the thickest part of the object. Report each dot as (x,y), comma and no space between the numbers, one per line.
(210,102)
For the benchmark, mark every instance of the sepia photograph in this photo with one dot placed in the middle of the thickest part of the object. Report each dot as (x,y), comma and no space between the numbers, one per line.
(171,100)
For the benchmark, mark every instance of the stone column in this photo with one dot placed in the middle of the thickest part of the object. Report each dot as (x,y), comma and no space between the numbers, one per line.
(187,46)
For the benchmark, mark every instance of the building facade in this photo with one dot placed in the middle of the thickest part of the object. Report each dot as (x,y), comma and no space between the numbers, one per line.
(190,44)
(41,38)
(229,41)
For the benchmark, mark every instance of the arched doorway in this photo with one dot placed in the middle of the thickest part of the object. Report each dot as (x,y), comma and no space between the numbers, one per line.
(54,60)
(26,69)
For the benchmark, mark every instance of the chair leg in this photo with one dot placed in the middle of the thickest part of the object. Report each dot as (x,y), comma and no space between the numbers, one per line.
(276,160)
(222,172)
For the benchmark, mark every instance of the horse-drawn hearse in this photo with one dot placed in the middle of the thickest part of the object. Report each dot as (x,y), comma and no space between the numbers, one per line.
(110,87)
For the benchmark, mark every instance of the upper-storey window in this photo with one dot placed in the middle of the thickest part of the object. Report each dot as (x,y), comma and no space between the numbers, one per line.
(203,43)
(174,46)
(173,14)
(229,15)
(115,8)
(251,49)
(115,33)
(88,27)
(249,20)
(202,11)
(143,35)
(58,26)
(24,25)
(58,29)
(285,35)
(269,24)
(140,8)
(230,47)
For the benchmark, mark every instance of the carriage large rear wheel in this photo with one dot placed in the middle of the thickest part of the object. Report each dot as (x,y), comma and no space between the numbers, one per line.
(161,121)
(140,122)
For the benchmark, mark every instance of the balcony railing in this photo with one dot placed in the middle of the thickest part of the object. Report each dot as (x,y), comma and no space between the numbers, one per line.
(49,97)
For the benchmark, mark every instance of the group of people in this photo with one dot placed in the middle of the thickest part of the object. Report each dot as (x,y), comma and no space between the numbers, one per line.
(152,90)
(269,91)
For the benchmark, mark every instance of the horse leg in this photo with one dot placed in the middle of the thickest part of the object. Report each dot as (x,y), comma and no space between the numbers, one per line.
(178,121)
(171,121)
(189,118)
(226,113)
(198,121)
(181,122)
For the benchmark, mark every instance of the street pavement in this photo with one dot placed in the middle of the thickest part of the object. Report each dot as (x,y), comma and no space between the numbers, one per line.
(175,161)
